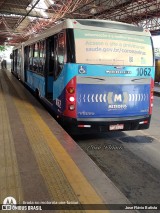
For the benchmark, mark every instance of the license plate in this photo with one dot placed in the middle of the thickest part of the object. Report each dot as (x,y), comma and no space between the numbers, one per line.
(116,127)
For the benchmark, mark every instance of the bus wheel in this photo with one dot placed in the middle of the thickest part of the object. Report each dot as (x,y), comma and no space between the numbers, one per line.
(37,93)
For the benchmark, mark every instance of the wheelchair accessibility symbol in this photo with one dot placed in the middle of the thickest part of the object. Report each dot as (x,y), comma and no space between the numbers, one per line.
(82,69)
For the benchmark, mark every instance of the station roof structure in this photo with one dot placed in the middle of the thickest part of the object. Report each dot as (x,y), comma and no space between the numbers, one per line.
(21,19)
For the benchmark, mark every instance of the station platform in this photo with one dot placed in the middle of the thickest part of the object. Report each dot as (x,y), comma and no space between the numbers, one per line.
(157,89)
(41,163)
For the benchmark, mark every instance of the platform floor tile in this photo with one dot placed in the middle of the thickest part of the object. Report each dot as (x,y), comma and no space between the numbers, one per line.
(35,166)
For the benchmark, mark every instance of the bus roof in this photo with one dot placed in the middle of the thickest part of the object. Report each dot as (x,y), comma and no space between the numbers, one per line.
(91,24)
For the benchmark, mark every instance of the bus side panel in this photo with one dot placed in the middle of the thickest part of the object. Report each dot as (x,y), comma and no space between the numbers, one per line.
(35,81)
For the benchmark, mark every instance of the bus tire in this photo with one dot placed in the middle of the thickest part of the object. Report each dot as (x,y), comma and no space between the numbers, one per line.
(37,93)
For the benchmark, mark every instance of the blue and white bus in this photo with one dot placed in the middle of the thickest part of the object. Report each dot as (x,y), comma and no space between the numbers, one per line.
(95,75)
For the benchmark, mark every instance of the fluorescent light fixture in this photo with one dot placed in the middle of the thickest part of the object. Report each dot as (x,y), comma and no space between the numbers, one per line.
(93,11)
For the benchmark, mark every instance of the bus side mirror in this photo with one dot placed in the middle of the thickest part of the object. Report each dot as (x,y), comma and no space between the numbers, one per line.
(11,56)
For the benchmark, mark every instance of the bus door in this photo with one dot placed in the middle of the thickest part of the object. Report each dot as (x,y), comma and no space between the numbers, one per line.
(15,61)
(59,73)
(49,68)
(59,43)
(26,62)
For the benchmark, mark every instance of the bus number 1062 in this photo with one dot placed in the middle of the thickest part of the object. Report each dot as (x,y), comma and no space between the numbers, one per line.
(143,71)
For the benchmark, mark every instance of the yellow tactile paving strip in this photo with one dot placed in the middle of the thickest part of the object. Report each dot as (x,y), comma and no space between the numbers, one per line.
(10,183)
(63,178)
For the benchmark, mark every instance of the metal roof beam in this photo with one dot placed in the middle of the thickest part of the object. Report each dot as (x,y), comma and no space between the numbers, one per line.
(27,14)
(3,13)
(117,4)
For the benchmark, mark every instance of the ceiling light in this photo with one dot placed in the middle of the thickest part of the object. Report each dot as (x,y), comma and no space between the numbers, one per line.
(93,11)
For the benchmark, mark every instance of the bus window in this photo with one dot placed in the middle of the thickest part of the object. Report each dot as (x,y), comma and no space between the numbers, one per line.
(30,57)
(36,57)
(95,47)
(42,49)
(26,58)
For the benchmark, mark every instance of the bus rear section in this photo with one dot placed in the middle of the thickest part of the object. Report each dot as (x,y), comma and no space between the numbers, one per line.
(114,77)
(109,103)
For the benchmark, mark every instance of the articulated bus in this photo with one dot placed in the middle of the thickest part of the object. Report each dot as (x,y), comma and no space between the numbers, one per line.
(95,75)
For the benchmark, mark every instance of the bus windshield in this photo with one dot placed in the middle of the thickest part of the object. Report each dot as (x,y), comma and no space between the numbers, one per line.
(108,48)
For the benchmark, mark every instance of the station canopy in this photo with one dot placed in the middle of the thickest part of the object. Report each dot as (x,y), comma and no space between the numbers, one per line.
(21,19)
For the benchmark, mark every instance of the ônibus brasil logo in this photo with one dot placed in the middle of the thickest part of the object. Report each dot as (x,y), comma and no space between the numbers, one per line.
(8,203)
